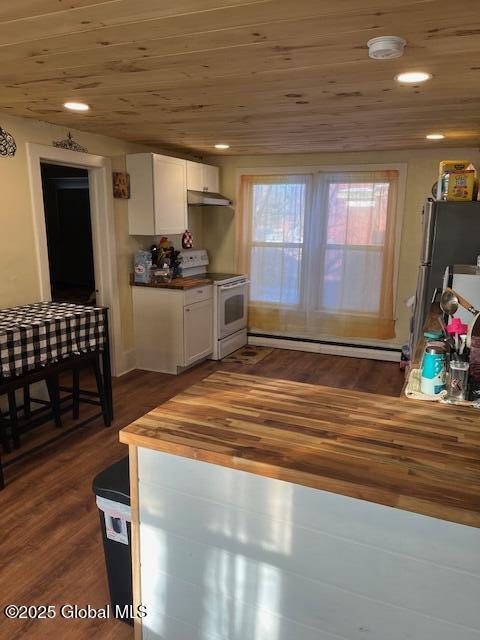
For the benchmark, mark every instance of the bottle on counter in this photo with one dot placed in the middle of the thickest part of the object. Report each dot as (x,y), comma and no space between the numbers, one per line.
(155,254)
(434,368)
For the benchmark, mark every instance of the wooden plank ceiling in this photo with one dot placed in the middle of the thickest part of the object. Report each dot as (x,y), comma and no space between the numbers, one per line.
(266,76)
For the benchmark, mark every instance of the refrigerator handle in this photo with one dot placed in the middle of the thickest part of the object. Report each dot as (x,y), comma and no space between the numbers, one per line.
(428,230)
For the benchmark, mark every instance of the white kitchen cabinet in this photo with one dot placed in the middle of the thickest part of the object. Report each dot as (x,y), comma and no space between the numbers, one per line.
(197,331)
(211,177)
(173,328)
(195,176)
(202,177)
(158,200)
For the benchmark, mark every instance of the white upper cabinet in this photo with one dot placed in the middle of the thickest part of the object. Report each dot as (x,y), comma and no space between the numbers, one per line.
(158,201)
(211,178)
(195,176)
(202,177)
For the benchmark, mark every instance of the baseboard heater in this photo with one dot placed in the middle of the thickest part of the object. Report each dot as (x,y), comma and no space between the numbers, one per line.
(327,347)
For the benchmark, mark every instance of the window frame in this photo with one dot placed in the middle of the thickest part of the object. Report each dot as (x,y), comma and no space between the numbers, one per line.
(318,169)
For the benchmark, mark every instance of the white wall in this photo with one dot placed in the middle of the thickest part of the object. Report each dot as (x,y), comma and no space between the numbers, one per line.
(19,282)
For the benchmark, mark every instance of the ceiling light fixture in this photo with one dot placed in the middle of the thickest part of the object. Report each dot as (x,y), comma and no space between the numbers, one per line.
(413,77)
(386,47)
(435,136)
(222,145)
(76,106)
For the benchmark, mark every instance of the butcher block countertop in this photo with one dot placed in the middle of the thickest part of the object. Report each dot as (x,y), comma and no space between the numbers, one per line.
(176,283)
(421,457)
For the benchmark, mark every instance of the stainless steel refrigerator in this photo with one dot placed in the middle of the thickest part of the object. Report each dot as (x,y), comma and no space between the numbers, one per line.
(451,235)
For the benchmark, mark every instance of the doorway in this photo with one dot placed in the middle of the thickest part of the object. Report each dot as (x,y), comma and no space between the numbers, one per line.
(103,234)
(68,224)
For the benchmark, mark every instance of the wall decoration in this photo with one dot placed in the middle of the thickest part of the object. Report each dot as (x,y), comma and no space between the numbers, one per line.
(121,185)
(70,144)
(8,146)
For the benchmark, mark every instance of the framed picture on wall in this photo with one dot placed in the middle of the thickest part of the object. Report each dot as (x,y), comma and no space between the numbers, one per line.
(121,185)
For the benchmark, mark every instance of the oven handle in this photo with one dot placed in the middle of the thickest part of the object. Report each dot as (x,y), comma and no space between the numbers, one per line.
(225,287)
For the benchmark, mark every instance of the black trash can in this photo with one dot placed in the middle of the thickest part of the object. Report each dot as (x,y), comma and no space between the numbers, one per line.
(112,490)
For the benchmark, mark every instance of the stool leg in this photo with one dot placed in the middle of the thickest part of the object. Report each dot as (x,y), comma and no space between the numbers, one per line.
(4,436)
(12,410)
(54,393)
(101,391)
(76,393)
(27,407)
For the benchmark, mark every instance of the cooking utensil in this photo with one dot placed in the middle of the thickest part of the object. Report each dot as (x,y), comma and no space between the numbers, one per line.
(442,326)
(450,301)
(447,337)
(449,304)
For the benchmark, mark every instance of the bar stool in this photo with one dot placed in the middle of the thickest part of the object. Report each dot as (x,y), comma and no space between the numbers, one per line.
(79,395)
(10,421)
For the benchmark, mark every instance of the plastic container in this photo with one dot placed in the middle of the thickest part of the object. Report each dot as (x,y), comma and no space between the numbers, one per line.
(142,266)
(434,369)
(112,490)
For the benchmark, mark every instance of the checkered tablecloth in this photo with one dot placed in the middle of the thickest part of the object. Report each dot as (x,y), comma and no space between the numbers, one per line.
(36,335)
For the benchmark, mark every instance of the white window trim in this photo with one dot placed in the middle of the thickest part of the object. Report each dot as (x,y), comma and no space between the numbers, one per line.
(401,167)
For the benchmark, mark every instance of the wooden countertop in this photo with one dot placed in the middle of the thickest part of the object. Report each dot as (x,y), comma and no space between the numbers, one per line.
(177,283)
(420,457)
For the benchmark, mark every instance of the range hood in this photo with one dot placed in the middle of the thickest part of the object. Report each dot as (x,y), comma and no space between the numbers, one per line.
(207,199)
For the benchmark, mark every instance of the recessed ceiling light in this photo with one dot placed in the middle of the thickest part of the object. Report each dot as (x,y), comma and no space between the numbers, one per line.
(222,145)
(435,136)
(412,77)
(76,106)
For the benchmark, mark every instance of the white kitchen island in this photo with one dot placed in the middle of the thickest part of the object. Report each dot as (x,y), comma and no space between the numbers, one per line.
(263,511)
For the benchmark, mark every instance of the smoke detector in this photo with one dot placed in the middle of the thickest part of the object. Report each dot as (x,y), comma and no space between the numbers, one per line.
(386,47)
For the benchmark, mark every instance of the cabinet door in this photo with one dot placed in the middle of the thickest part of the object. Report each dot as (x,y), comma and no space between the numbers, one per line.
(170,194)
(211,178)
(195,176)
(198,330)
(141,207)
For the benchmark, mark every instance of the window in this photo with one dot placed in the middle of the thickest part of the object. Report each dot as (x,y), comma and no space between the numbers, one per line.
(278,217)
(356,221)
(320,252)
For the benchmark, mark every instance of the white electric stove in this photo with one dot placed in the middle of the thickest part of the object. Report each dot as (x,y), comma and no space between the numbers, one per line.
(230,301)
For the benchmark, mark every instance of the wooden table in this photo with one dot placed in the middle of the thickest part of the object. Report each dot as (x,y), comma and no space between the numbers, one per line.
(322,516)
(37,343)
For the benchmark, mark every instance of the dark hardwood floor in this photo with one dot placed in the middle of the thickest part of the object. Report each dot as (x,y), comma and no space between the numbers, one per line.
(50,545)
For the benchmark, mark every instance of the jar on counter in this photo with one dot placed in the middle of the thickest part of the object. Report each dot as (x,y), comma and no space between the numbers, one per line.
(161,275)
(434,368)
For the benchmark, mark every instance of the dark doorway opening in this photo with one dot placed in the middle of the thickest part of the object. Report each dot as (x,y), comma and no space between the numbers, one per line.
(66,201)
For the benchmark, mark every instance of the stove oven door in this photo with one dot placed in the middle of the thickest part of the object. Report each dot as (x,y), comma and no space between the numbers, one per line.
(232,308)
